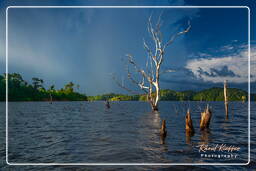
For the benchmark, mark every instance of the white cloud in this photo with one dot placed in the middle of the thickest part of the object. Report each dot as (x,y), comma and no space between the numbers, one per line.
(211,69)
(227,47)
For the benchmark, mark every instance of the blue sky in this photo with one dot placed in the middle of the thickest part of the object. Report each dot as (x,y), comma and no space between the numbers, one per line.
(87,45)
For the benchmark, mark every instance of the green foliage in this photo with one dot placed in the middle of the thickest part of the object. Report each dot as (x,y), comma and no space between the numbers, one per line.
(114,97)
(68,88)
(169,95)
(37,83)
(143,98)
(20,90)
(216,94)
(2,88)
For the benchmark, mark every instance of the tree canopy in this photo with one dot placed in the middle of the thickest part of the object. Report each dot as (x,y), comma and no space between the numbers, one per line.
(20,90)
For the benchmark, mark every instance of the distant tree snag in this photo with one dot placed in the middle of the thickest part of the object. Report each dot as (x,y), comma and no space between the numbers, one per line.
(107,104)
(149,78)
(50,98)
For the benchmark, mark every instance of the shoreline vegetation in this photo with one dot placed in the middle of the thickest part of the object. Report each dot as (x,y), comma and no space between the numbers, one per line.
(21,90)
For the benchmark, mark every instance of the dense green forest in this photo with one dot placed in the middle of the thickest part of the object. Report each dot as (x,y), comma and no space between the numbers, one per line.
(211,94)
(21,90)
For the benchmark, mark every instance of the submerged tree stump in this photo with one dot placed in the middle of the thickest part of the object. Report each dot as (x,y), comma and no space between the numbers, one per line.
(163,132)
(107,104)
(243,99)
(205,118)
(50,98)
(189,124)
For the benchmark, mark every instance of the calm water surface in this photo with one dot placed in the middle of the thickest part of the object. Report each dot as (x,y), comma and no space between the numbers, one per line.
(128,132)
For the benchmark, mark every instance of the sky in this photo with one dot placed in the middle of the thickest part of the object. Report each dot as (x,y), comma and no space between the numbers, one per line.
(88,45)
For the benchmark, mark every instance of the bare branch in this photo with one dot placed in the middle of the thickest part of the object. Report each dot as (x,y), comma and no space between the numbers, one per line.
(159,24)
(158,28)
(150,55)
(147,48)
(176,35)
(153,34)
(140,84)
(122,86)
(141,71)
(167,71)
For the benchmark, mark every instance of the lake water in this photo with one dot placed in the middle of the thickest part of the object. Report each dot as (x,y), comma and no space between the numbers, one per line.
(128,132)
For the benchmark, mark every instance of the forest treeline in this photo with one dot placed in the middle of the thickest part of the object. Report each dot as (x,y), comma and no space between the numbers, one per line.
(21,90)
(211,94)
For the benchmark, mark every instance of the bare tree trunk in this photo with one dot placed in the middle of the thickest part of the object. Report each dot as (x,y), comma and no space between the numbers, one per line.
(157,97)
(226,98)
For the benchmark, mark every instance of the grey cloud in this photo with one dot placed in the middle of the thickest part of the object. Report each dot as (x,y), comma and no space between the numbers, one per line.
(221,72)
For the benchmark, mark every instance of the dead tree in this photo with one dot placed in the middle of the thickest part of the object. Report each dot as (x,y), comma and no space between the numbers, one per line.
(205,118)
(226,98)
(189,124)
(149,78)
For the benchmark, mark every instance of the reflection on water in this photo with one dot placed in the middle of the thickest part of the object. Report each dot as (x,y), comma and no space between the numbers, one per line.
(205,134)
(126,132)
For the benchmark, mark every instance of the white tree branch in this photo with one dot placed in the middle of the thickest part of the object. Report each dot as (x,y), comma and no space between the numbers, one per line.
(166,71)
(141,71)
(122,86)
(171,40)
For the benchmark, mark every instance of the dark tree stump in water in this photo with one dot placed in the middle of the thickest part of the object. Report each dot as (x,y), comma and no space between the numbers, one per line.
(163,132)
(205,118)
(189,125)
(50,98)
(107,104)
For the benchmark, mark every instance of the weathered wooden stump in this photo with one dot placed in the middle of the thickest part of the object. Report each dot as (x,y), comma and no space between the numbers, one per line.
(189,124)
(205,118)
(163,132)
